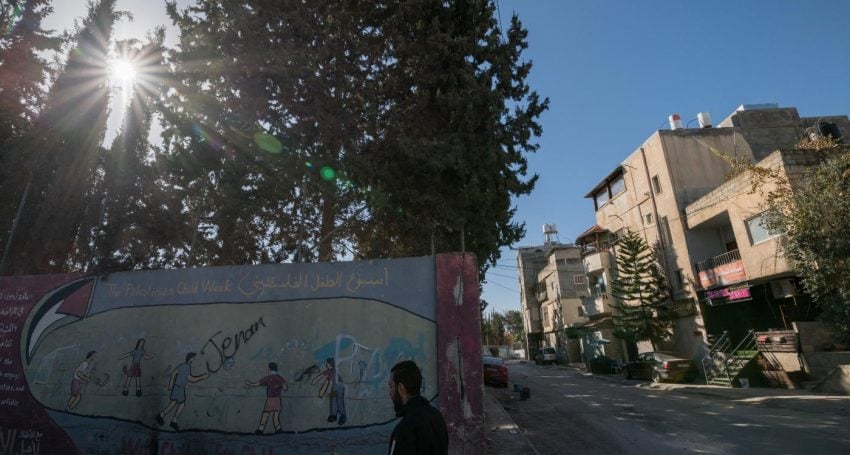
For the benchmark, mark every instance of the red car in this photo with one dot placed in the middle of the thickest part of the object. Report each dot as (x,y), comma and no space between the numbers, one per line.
(495,371)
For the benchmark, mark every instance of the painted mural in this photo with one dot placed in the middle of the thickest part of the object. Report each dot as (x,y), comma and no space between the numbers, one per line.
(254,359)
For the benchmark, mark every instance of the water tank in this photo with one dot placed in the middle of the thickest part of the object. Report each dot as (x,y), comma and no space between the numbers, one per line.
(704,120)
(675,122)
(829,129)
(550,229)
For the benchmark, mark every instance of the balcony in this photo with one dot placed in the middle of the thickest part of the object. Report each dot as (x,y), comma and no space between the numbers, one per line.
(598,260)
(722,270)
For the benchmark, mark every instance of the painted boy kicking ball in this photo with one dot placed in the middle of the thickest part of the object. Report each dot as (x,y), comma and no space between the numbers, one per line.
(274,384)
(180,378)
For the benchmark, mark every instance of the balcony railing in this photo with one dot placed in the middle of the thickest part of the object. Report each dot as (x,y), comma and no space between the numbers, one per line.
(723,270)
(596,247)
(725,258)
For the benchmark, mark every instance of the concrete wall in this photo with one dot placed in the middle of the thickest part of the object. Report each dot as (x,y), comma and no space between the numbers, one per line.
(817,336)
(837,383)
(334,330)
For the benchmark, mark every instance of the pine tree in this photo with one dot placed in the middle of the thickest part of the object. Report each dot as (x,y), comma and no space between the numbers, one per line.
(640,293)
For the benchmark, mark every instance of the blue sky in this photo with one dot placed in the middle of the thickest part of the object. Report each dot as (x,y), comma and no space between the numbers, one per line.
(614,71)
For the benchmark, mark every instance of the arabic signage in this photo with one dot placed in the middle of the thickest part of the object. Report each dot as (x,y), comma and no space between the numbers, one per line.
(723,275)
(727,295)
(386,280)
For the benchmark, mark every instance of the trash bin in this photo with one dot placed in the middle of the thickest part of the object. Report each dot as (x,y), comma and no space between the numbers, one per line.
(602,365)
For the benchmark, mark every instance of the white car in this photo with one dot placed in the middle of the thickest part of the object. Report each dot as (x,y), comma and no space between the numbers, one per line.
(545,355)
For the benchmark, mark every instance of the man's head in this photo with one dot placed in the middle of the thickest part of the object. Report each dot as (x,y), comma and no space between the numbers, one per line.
(272,367)
(405,382)
(90,355)
(190,356)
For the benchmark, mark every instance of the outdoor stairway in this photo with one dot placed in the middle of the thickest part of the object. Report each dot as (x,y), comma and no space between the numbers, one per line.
(724,363)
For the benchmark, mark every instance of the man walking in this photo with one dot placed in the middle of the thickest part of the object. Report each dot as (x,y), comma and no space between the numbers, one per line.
(422,429)
(274,384)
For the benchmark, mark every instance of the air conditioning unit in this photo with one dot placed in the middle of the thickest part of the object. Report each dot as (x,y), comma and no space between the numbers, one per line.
(783,288)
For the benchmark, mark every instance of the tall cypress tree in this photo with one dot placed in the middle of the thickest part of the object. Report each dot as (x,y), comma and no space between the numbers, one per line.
(640,293)
(457,121)
(123,238)
(23,44)
(61,152)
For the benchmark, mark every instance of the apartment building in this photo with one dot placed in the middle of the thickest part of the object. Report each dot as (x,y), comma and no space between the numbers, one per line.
(562,286)
(673,191)
(552,288)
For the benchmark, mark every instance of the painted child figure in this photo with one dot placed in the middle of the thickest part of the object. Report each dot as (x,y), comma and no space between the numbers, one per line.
(134,372)
(333,383)
(274,383)
(180,378)
(81,374)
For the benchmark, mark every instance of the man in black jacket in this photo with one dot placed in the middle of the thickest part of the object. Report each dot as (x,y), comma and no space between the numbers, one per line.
(422,429)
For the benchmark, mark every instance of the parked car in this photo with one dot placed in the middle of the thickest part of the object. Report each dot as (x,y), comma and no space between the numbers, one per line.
(495,371)
(660,366)
(545,355)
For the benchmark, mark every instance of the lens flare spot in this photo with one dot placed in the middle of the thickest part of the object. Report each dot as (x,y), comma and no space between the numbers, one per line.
(267,142)
(327,173)
(122,72)
(309,165)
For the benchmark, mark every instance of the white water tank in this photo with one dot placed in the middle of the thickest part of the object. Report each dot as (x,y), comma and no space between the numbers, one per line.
(704,120)
(675,122)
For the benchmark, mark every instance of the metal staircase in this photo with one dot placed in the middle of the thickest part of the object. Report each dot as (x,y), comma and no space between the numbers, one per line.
(723,363)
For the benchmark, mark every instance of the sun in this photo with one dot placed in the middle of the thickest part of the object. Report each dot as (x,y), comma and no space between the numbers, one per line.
(122,72)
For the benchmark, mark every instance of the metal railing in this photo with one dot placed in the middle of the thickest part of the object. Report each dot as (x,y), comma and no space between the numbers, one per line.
(597,247)
(712,363)
(722,360)
(725,258)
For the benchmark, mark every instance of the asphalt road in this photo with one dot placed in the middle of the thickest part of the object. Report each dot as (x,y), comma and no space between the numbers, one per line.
(573,412)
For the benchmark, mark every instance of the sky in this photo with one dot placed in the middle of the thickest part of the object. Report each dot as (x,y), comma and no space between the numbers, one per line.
(614,70)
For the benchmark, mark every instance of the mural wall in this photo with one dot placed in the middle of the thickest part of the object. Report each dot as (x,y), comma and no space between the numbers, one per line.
(290,358)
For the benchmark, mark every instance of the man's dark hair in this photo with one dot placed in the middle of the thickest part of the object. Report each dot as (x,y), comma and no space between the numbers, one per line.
(190,356)
(91,353)
(273,367)
(408,374)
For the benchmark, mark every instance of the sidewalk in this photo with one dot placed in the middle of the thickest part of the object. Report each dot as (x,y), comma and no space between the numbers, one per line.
(792,399)
(502,435)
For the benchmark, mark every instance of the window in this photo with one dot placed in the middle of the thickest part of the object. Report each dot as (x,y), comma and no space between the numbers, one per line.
(601,197)
(546,314)
(579,279)
(656,184)
(757,230)
(648,219)
(580,311)
(618,186)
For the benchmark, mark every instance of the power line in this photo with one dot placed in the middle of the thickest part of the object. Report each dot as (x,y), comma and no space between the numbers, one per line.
(503,286)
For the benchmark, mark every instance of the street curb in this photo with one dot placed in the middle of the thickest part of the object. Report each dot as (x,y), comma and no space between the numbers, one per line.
(501,428)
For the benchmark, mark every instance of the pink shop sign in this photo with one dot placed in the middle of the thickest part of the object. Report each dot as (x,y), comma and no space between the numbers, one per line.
(731,294)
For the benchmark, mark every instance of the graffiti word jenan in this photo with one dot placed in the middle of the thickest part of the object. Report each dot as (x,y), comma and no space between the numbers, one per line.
(227,346)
